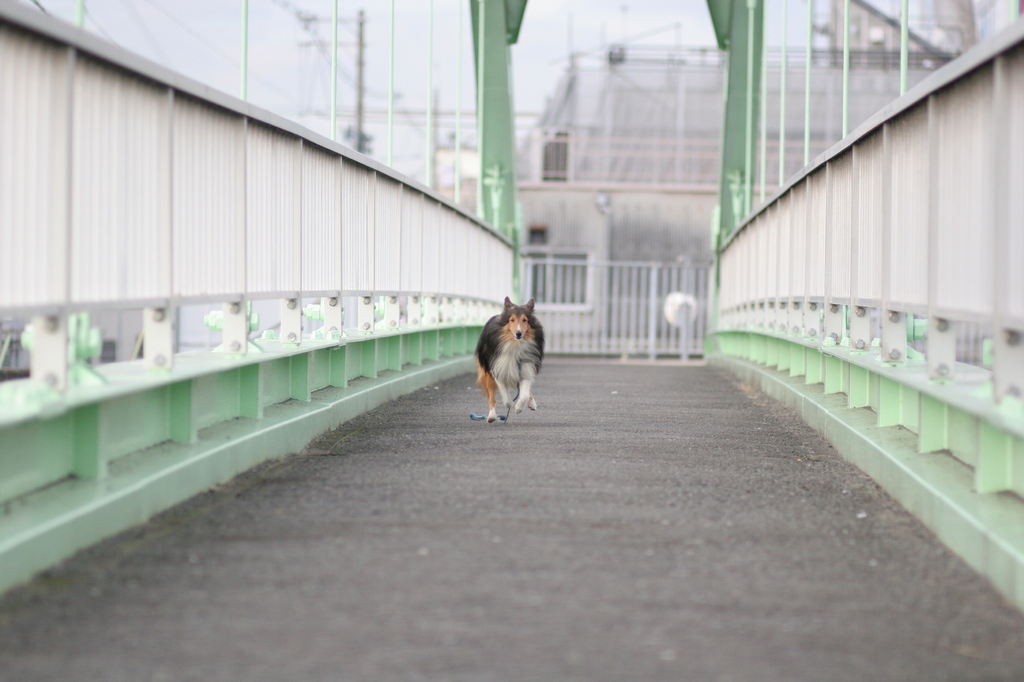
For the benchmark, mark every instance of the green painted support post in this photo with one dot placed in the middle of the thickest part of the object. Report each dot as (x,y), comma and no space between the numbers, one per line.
(182,416)
(782,92)
(815,369)
(393,348)
(933,433)
(391,88)
(771,351)
(756,348)
(432,344)
(860,386)
(334,72)
(301,381)
(808,59)
(444,343)
(846,66)
(430,97)
(994,470)
(496,25)
(904,44)
(458,111)
(890,403)
(833,377)
(763,171)
(797,360)
(339,367)
(785,359)
(738,29)
(88,461)
(368,358)
(245,50)
(249,402)
(414,352)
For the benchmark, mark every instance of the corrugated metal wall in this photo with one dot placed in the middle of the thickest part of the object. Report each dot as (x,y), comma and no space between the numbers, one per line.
(634,225)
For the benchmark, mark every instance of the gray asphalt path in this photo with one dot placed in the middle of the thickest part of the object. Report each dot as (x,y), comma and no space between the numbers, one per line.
(647,523)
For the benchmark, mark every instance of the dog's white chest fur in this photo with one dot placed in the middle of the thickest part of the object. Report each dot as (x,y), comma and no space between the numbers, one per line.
(508,364)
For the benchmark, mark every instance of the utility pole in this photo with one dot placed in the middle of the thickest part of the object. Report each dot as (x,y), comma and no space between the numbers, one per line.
(360,89)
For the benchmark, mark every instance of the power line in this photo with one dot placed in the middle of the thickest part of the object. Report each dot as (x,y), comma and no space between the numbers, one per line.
(41,8)
(141,25)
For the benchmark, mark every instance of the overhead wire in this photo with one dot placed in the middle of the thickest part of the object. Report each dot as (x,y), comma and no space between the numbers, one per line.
(136,18)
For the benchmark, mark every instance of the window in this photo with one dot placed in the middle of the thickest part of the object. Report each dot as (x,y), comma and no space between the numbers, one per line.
(538,235)
(556,158)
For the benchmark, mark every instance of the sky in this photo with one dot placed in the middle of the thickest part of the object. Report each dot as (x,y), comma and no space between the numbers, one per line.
(290,76)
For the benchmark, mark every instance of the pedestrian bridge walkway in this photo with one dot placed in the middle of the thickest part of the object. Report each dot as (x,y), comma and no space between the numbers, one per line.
(850,296)
(612,535)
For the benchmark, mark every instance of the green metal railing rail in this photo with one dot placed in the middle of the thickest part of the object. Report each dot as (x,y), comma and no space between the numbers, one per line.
(848,294)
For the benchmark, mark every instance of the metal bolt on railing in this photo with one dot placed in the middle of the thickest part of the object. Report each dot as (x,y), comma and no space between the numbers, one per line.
(1012,337)
(894,316)
(861,311)
(895,354)
(942,325)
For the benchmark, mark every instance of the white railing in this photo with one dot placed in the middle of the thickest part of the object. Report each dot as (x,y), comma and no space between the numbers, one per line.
(124,185)
(918,213)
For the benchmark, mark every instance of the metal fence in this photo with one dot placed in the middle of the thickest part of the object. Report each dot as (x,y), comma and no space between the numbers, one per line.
(625,309)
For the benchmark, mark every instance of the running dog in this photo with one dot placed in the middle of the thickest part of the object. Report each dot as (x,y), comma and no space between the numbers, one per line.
(509,354)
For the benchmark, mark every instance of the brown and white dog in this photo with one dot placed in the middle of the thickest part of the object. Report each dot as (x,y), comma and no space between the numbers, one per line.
(509,354)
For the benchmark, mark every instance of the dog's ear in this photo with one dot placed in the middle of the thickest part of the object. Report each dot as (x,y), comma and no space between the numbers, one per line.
(508,302)
(529,306)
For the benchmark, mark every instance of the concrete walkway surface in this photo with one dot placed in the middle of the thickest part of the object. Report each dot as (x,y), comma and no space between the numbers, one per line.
(648,522)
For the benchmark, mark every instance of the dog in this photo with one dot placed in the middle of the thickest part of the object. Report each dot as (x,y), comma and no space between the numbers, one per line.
(509,353)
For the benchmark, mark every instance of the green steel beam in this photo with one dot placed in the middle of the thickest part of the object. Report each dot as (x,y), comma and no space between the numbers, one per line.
(739,29)
(496,26)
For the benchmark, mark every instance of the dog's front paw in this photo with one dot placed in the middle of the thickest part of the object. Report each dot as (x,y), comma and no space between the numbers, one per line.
(532,404)
(520,404)
(492,417)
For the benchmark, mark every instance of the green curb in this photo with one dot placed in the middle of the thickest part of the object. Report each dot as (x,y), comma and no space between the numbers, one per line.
(985,529)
